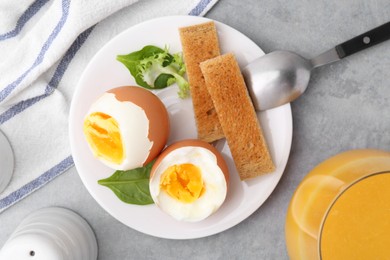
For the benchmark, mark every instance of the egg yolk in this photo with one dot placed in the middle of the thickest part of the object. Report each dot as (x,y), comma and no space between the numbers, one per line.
(103,136)
(183,182)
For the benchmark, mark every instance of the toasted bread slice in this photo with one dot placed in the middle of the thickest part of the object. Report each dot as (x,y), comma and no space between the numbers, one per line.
(200,43)
(237,116)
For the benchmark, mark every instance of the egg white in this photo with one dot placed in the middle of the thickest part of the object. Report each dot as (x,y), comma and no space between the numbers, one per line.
(133,126)
(213,179)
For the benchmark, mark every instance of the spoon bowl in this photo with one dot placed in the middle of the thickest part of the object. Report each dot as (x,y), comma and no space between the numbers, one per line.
(280,77)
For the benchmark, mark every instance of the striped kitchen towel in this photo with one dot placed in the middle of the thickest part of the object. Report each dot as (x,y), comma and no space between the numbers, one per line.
(44,47)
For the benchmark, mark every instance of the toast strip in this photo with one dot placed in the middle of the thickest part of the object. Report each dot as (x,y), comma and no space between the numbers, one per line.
(237,116)
(200,43)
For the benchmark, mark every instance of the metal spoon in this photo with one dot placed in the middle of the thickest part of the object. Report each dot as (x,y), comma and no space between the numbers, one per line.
(280,77)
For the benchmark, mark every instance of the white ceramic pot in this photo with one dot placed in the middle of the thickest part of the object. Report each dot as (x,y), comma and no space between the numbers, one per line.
(51,233)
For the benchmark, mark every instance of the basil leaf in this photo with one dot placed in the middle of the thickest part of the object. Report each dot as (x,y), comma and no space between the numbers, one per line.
(131,186)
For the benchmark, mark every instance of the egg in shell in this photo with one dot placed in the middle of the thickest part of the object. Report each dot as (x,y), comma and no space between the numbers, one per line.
(127,127)
(189,180)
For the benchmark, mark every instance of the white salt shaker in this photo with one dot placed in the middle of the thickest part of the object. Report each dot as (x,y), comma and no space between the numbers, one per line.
(51,234)
(6,162)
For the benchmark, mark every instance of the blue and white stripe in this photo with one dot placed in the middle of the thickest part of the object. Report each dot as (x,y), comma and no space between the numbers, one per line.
(23,19)
(201,7)
(53,83)
(4,93)
(37,183)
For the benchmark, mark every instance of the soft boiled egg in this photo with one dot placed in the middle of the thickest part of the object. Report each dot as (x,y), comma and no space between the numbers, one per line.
(127,127)
(189,180)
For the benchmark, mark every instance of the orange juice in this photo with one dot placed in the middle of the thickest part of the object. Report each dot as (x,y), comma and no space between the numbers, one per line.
(340,206)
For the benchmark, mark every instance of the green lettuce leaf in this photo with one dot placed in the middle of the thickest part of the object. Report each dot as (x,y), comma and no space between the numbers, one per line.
(155,68)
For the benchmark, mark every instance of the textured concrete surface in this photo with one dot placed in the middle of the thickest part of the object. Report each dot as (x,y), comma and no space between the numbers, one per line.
(345,107)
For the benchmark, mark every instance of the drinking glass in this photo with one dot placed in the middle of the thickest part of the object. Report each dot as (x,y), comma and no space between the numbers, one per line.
(341,209)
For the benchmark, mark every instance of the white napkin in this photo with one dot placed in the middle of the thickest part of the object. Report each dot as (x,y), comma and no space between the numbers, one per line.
(44,47)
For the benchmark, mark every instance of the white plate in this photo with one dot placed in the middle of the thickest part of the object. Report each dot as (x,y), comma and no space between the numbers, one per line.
(104,72)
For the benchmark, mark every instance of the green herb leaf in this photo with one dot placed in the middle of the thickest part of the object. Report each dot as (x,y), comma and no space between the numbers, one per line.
(132,61)
(155,68)
(131,186)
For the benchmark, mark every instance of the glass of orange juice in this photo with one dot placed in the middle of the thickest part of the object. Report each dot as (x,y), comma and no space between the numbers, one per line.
(341,209)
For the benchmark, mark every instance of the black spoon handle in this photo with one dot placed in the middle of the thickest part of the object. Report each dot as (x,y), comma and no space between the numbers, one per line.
(364,41)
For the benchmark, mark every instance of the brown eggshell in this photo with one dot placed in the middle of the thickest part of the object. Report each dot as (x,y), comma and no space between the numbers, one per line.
(155,111)
(198,143)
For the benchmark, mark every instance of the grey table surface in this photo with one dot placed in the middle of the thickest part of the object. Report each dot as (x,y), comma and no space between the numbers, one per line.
(345,107)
